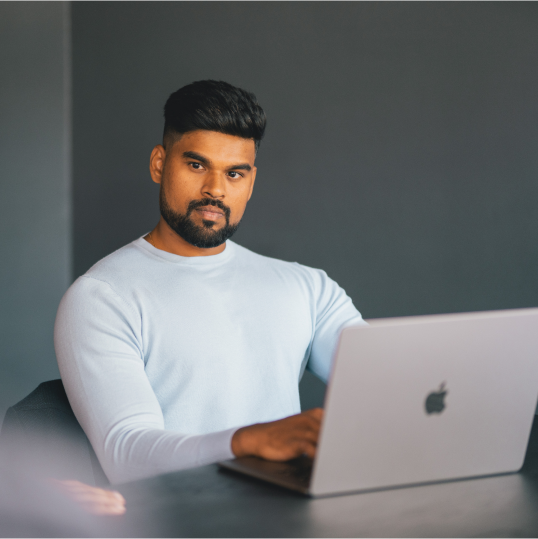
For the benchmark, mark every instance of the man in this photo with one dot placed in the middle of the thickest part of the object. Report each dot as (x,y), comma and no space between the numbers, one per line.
(183,348)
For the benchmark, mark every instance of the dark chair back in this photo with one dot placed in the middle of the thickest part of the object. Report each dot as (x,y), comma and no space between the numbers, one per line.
(41,433)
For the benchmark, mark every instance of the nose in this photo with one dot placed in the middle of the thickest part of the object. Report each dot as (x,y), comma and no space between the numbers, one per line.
(214,186)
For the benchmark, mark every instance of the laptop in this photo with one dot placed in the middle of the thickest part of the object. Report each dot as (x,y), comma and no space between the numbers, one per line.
(417,400)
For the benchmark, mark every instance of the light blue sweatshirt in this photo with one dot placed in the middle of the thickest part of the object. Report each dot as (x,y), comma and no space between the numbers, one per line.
(164,357)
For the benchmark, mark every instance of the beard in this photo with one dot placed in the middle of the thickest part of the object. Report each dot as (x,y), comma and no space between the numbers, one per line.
(200,236)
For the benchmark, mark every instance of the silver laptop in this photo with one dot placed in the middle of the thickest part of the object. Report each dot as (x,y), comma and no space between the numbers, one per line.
(420,399)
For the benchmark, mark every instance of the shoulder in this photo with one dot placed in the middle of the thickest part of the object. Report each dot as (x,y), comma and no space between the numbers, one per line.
(247,257)
(118,270)
(120,264)
(107,281)
(314,278)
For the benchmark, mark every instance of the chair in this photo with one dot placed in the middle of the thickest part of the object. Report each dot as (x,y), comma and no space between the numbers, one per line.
(41,433)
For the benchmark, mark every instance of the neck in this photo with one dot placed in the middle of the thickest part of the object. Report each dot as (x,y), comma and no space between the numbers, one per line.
(164,238)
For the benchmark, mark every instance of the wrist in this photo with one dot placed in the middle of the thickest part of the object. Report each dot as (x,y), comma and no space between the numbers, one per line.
(241,442)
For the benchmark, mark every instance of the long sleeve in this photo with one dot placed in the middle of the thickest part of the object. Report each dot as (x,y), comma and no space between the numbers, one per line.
(164,357)
(100,352)
(334,310)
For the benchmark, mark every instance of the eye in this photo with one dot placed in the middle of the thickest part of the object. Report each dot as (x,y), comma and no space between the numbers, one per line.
(235,175)
(196,166)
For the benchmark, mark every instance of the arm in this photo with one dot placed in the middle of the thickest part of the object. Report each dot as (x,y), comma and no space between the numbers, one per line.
(99,347)
(334,311)
(297,435)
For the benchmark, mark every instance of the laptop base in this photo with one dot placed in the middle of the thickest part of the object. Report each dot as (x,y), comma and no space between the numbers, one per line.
(293,474)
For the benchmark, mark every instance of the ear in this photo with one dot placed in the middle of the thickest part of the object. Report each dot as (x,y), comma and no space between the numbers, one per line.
(254,170)
(156,163)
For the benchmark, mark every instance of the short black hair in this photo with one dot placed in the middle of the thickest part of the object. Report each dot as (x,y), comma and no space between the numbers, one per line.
(214,106)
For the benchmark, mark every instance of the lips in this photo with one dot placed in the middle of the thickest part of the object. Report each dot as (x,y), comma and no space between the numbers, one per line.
(210,212)
(210,209)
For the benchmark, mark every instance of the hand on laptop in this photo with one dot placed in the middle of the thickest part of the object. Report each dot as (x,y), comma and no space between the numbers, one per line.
(280,440)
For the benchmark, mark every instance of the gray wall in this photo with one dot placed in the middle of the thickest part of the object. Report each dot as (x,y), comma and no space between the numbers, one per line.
(401,151)
(35,267)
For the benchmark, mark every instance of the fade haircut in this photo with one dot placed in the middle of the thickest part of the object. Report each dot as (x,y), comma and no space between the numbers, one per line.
(213,105)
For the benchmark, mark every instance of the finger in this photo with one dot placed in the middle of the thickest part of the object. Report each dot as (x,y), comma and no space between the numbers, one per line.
(86,490)
(305,435)
(96,497)
(75,486)
(105,509)
(114,504)
(118,496)
(71,484)
(309,424)
(306,448)
(101,505)
(315,413)
(95,500)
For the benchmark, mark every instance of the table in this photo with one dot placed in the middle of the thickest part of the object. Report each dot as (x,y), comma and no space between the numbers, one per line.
(210,502)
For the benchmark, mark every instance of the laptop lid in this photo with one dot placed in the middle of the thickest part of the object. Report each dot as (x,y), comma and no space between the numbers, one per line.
(430,398)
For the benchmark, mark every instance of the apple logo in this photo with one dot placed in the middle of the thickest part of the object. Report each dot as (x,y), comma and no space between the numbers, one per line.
(435,401)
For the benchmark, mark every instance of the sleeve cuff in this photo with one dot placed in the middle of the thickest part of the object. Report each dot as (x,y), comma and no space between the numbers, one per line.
(216,446)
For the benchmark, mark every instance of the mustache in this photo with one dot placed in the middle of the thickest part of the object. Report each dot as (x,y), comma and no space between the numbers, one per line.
(195,204)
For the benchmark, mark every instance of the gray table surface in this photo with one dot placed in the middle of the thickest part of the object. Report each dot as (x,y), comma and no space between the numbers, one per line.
(210,502)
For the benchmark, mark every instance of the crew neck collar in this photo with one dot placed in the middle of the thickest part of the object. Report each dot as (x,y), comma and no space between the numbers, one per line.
(187,260)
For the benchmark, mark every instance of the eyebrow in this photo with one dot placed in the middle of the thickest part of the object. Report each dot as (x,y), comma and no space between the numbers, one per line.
(241,166)
(206,161)
(198,157)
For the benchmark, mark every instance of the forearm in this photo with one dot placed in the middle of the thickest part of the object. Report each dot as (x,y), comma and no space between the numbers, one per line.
(100,355)
(145,452)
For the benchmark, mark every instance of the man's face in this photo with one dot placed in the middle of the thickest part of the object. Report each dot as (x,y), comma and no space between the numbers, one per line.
(206,181)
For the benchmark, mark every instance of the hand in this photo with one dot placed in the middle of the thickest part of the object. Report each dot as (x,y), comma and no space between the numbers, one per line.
(280,440)
(95,500)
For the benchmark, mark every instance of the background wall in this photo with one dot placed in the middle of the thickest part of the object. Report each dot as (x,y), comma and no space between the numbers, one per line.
(401,149)
(35,239)
(400,156)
